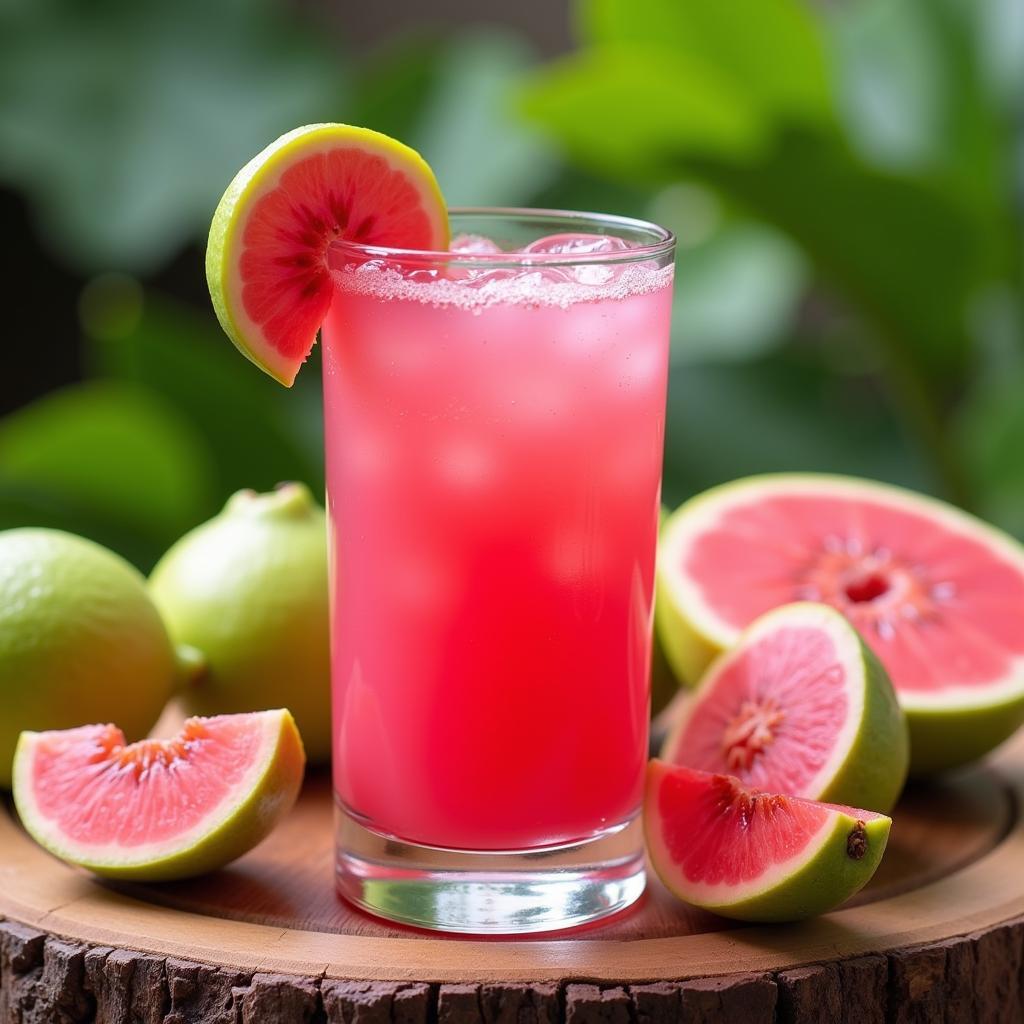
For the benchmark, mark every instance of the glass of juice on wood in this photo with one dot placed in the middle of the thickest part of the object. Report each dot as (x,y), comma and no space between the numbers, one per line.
(495,418)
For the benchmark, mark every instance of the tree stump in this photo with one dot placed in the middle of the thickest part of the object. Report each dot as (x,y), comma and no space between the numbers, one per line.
(937,936)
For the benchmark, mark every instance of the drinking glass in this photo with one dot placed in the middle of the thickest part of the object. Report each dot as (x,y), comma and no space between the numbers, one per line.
(494,434)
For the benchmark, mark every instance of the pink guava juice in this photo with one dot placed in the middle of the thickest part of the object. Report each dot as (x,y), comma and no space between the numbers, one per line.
(494,450)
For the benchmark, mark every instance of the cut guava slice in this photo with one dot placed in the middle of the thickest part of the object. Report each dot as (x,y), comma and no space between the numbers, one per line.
(799,705)
(266,259)
(158,810)
(937,594)
(756,856)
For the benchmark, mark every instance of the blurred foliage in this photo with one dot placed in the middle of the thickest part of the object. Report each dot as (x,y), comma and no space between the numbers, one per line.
(846,184)
(879,137)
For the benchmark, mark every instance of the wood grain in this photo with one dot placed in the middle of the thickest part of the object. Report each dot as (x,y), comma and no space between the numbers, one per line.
(939,936)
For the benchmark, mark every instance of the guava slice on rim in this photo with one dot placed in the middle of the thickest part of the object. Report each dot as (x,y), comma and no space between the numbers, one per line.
(799,705)
(756,856)
(158,810)
(937,594)
(266,256)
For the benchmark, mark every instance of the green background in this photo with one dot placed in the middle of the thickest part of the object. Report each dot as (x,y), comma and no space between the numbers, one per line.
(846,181)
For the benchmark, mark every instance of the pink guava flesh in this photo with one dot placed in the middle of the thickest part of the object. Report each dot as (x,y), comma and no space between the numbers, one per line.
(99,790)
(343,193)
(938,606)
(773,713)
(718,831)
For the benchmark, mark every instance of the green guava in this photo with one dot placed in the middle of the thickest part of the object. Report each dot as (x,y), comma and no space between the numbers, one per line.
(80,640)
(247,591)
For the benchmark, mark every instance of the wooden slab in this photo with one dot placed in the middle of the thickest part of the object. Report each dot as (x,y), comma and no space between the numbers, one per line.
(937,936)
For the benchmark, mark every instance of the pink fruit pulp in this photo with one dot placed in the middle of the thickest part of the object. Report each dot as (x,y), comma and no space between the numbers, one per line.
(98,789)
(783,696)
(494,465)
(719,831)
(937,606)
(342,193)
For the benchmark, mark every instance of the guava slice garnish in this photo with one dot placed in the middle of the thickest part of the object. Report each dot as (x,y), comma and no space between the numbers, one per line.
(266,258)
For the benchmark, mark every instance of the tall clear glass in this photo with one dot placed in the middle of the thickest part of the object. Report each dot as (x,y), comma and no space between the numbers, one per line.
(495,425)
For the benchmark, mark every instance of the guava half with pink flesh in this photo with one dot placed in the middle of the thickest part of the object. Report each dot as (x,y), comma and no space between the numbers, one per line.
(157,810)
(799,705)
(756,856)
(937,594)
(266,259)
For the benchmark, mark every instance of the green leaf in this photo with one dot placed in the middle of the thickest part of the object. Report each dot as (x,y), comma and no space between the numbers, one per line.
(482,154)
(988,428)
(632,112)
(783,413)
(735,294)
(256,433)
(125,121)
(109,460)
(670,90)
(857,225)
(900,250)
(772,49)
(990,435)
(918,95)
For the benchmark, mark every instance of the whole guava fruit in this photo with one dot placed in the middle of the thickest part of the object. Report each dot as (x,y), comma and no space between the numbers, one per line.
(80,640)
(248,591)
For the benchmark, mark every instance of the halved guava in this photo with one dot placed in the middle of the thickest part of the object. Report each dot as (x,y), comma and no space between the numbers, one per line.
(937,594)
(799,705)
(756,856)
(158,809)
(266,259)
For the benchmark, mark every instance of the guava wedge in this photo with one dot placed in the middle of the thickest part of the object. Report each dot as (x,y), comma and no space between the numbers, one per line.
(937,594)
(158,810)
(799,705)
(756,856)
(266,259)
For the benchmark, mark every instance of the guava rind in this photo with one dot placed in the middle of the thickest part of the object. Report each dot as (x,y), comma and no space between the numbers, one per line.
(824,881)
(246,823)
(875,770)
(944,739)
(941,739)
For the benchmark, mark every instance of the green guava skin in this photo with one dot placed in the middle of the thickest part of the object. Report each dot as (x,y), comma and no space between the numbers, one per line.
(875,770)
(688,651)
(975,732)
(664,682)
(248,591)
(941,739)
(824,882)
(80,640)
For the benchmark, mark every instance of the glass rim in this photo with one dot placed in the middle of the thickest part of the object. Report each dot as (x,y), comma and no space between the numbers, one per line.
(662,245)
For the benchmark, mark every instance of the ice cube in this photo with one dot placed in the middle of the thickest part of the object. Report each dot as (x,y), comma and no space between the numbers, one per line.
(593,274)
(423,276)
(474,245)
(577,245)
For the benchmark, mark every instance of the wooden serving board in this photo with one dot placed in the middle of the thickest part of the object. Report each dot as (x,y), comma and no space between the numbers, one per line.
(937,936)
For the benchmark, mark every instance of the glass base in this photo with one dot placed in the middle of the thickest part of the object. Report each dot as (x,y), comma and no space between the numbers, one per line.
(489,893)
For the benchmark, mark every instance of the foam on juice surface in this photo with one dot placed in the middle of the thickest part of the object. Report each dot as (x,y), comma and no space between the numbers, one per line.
(567,269)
